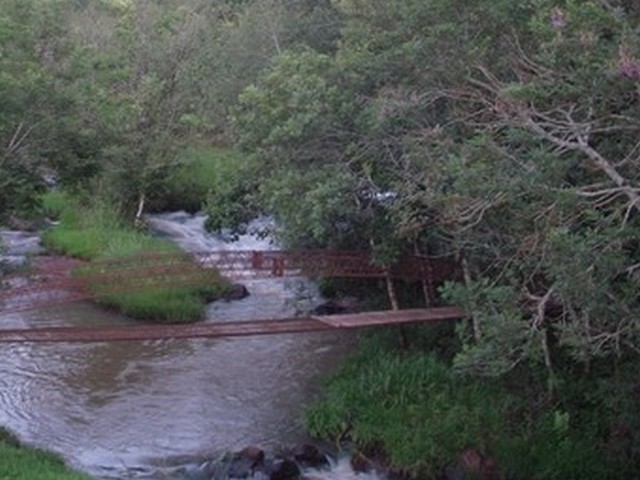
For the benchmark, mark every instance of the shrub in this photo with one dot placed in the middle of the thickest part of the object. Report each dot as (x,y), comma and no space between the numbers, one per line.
(414,410)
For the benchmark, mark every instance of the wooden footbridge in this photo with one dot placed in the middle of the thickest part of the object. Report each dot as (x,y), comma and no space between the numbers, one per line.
(57,281)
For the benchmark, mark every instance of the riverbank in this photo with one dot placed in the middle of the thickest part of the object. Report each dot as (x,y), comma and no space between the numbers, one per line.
(410,411)
(134,409)
(18,462)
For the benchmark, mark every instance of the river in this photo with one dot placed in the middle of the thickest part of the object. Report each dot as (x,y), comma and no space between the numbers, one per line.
(138,409)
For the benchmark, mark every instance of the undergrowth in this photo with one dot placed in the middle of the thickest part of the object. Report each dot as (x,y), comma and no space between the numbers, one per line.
(201,170)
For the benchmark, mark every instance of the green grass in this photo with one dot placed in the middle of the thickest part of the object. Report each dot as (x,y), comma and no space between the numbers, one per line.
(411,408)
(149,278)
(21,463)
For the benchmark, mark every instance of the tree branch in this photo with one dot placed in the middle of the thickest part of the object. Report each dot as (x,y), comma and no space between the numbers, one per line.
(576,138)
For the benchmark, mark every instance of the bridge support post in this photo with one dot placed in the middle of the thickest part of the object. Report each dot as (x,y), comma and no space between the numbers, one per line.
(391,292)
(395,305)
(277,267)
(256,260)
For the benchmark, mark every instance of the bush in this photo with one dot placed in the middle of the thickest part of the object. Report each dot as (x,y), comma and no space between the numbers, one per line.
(203,171)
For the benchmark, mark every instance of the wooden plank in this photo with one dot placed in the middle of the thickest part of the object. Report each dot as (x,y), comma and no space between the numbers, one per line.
(391,317)
(226,329)
(161,332)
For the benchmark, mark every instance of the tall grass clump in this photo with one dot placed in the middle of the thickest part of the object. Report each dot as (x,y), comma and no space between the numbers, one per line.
(18,462)
(129,271)
(411,409)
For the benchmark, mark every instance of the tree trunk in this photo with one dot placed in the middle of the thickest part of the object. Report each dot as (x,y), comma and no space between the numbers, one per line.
(395,305)
(426,273)
(467,281)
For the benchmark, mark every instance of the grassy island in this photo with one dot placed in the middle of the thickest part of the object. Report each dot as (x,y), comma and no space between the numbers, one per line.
(140,276)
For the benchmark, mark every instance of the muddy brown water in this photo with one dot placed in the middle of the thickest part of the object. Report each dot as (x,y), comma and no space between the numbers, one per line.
(131,409)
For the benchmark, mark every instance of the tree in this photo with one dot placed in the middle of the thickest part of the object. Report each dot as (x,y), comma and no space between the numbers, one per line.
(501,133)
(35,105)
(522,157)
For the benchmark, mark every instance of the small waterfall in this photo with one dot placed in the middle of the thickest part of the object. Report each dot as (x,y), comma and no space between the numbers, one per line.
(188,232)
(268,298)
(15,246)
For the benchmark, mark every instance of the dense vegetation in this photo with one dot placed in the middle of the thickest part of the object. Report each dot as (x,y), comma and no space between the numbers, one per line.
(503,134)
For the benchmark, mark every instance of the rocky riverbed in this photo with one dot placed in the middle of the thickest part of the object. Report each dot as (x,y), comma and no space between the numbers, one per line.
(304,462)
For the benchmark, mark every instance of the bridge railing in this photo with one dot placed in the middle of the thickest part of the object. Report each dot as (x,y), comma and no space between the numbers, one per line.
(178,269)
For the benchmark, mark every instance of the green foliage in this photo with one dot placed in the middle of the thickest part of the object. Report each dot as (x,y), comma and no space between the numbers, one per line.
(203,175)
(293,102)
(552,452)
(18,462)
(297,121)
(503,133)
(87,233)
(414,410)
(31,43)
(162,305)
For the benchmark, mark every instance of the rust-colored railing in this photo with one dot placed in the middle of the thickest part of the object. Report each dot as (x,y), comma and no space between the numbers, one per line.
(67,282)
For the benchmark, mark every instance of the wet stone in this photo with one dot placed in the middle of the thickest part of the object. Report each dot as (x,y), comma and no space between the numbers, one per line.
(360,464)
(237,292)
(309,456)
(243,463)
(284,469)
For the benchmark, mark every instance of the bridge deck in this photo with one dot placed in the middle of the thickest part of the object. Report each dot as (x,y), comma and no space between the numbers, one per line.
(390,317)
(228,329)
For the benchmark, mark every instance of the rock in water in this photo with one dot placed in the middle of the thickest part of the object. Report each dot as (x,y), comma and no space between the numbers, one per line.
(309,456)
(244,462)
(237,292)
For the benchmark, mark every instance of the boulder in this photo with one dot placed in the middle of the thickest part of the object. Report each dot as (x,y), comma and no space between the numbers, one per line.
(237,292)
(360,464)
(473,464)
(284,469)
(309,456)
(244,462)
(338,305)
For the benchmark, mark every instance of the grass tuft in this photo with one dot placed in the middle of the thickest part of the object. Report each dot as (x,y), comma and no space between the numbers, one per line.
(21,463)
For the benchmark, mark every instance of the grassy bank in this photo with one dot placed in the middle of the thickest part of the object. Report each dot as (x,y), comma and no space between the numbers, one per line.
(22,463)
(96,233)
(412,410)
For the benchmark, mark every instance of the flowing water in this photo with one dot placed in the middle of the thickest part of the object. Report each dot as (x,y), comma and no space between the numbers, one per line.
(133,409)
